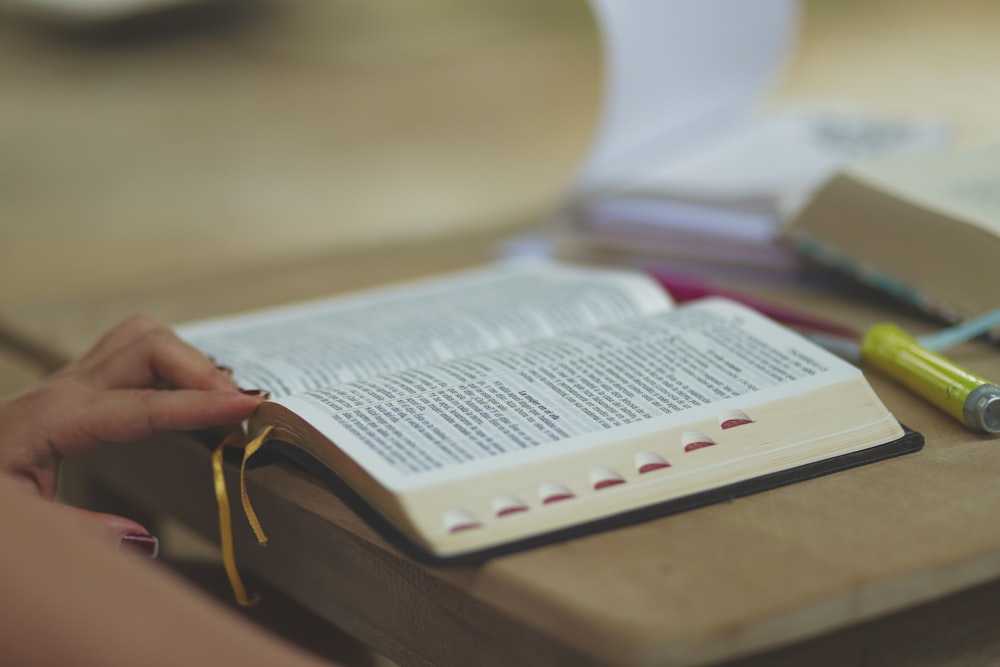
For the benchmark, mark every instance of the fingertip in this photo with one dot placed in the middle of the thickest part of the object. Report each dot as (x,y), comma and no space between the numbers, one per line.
(240,404)
(128,535)
(139,544)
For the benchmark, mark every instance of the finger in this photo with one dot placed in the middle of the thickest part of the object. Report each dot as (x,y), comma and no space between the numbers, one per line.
(126,415)
(130,536)
(160,355)
(127,331)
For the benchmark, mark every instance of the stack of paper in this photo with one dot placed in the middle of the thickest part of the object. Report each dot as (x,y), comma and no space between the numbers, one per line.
(686,164)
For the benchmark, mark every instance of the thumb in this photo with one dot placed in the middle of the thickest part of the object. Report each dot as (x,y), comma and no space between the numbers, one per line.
(130,536)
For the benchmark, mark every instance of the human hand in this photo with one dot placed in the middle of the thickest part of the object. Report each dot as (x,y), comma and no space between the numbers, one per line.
(138,379)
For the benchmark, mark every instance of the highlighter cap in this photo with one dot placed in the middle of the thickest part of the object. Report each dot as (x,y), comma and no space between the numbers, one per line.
(982,408)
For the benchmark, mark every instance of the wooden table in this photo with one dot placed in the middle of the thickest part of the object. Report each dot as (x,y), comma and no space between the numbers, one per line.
(713,584)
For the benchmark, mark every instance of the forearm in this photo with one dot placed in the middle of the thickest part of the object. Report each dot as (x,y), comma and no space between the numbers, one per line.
(69,598)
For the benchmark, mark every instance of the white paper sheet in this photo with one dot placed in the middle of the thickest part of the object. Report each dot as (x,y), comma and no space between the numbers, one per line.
(677,70)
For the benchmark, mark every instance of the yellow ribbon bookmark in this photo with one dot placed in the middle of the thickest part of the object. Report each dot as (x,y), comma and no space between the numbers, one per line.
(225,521)
(249,451)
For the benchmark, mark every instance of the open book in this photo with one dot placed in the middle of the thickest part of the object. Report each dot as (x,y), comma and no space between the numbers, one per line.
(517,403)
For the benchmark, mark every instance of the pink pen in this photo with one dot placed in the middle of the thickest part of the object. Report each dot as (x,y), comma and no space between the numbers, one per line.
(683,288)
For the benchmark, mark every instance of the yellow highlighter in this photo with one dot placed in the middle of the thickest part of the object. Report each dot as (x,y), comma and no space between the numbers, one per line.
(969,398)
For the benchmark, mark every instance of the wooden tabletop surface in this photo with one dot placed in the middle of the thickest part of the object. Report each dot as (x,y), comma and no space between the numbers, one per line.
(706,585)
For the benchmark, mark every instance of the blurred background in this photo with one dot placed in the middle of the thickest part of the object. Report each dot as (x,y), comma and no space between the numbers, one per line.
(223,134)
(227,133)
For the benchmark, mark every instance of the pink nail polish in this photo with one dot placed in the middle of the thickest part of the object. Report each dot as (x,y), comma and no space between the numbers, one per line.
(140,545)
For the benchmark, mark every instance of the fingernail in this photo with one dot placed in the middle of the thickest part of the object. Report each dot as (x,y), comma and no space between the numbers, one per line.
(262,393)
(140,545)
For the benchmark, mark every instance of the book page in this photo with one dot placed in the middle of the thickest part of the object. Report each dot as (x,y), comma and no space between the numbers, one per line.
(549,396)
(676,72)
(328,342)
